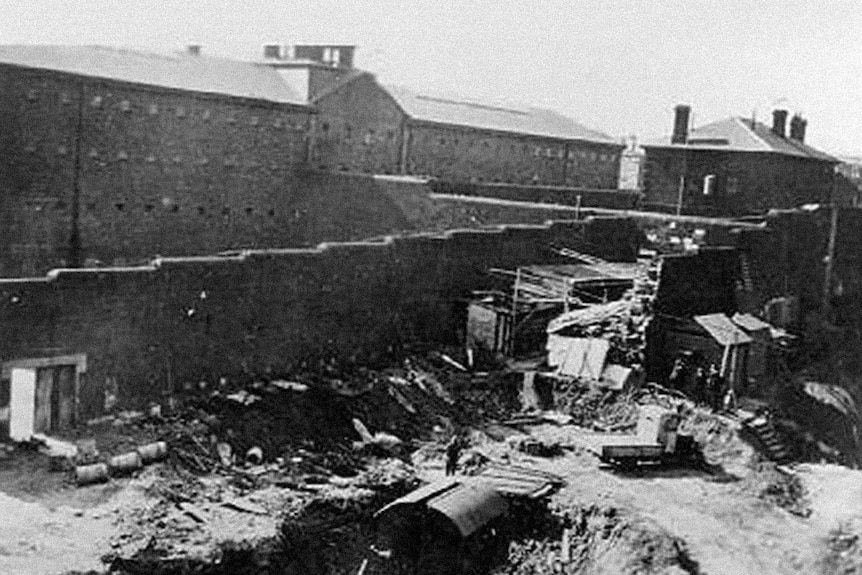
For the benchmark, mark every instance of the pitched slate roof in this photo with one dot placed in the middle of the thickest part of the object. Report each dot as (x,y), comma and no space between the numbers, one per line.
(458,111)
(504,118)
(742,135)
(508,118)
(178,71)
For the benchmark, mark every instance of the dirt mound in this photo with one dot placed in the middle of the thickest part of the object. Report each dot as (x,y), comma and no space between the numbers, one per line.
(844,549)
(778,487)
(599,540)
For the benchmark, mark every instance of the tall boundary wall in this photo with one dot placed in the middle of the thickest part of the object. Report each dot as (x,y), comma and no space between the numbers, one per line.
(147,331)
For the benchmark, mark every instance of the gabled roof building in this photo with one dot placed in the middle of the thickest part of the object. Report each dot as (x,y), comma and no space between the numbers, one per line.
(736,166)
(114,155)
(365,126)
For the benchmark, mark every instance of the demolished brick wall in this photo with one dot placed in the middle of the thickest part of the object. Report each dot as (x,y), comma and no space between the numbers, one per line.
(149,330)
(789,258)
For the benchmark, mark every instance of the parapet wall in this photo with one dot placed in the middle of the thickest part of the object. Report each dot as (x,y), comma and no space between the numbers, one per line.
(584,197)
(311,207)
(148,330)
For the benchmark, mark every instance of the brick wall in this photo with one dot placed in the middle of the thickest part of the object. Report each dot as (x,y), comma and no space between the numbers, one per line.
(359,129)
(745,182)
(465,154)
(36,170)
(148,330)
(788,258)
(158,169)
(612,199)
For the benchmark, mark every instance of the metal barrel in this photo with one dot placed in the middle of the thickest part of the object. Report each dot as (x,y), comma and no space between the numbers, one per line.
(152,452)
(87,474)
(125,463)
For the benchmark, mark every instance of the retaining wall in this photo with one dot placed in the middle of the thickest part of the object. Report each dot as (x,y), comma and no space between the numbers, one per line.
(147,331)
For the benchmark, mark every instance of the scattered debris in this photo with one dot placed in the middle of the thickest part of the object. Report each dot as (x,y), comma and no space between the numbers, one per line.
(779,486)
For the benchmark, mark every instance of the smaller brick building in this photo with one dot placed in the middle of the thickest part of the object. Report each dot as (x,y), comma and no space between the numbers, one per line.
(736,166)
(363,126)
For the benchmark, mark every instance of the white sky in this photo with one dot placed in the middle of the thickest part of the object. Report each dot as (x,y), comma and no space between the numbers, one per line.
(615,65)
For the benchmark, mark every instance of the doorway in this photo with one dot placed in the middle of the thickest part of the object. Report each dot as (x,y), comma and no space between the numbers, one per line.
(42,395)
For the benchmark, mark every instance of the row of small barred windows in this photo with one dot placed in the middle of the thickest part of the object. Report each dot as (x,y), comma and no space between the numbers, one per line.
(200,210)
(539,151)
(167,206)
(178,111)
(122,155)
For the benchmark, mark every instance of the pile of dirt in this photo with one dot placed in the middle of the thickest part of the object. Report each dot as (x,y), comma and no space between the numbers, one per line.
(606,409)
(595,407)
(599,540)
(779,487)
(207,525)
(844,549)
(719,439)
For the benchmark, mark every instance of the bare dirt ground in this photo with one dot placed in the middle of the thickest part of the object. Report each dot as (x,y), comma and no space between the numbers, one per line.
(726,526)
(50,527)
(738,515)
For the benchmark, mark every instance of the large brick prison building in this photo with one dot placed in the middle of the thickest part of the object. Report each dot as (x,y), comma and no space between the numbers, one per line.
(366,126)
(106,149)
(110,156)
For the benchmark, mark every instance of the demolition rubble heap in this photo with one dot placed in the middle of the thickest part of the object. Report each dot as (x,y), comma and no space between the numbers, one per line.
(284,475)
(623,324)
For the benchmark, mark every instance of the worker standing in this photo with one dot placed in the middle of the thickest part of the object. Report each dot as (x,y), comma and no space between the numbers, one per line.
(453,452)
(715,388)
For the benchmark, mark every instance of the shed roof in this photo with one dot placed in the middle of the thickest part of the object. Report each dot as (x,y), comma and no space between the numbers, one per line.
(738,134)
(722,330)
(507,117)
(178,71)
(749,323)
(469,506)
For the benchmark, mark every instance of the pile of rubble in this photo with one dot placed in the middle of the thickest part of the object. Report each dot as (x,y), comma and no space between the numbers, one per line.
(597,540)
(622,323)
(779,486)
(284,475)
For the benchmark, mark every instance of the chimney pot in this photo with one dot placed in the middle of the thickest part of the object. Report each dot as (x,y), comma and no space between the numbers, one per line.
(682,112)
(779,120)
(193,49)
(797,128)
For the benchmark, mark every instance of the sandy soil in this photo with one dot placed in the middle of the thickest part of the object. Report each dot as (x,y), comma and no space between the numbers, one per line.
(727,528)
(51,527)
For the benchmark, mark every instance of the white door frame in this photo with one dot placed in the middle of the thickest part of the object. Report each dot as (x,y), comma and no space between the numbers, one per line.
(23,426)
(22,403)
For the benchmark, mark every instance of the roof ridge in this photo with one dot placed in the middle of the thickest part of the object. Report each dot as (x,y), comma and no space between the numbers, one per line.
(753,133)
(351,77)
(202,74)
(470,104)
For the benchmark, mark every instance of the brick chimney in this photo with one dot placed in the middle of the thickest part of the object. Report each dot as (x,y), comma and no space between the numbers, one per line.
(272,51)
(797,128)
(193,49)
(682,113)
(779,120)
(333,55)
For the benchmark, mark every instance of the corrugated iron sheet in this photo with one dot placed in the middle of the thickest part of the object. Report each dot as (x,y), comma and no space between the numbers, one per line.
(749,323)
(470,507)
(722,329)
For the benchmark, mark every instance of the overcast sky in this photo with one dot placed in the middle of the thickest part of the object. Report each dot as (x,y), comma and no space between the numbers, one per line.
(615,65)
